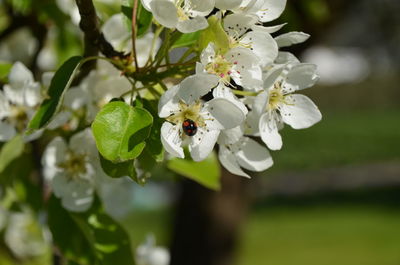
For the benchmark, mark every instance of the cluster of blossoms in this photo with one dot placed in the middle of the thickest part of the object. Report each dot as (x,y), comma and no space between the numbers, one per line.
(240,91)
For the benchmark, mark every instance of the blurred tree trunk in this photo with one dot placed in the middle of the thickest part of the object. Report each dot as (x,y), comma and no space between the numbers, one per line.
(207,223)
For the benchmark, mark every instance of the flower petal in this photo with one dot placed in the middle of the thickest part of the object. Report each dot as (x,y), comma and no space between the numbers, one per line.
(227,4)
(263,46)
(301,113)
(291,38)
(253,156)
(169,102)
(238,24)
(53,155)
(228,160)
(268,126)
(300,76)
(165,12)
(200,7)
(77,195)
(20,76)
(194,87)
(83,143)
(226,112)
(114,30)
(171,139)
(222,91)
(202,144)
(4,106)
(192,24)
(271,10)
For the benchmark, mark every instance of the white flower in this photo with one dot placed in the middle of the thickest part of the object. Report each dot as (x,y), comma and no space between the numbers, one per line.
(185,15)
(24,236)
(291,38)
(72,169)
(192,121)
(227,4)
(277,105)
(258,41)
(237,150)
(264,10)
(238,64)
(149,254)
(18,101)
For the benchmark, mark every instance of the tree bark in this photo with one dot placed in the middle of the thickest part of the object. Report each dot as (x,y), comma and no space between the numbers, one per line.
(207,223)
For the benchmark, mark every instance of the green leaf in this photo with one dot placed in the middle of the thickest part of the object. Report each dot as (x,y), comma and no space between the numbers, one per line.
(4,71)
(91,237)
(214,33)
(153,144)
(206,172)
(120,131)
(118,170)
(10,151)
(59,85)
(143,18)
(188,39)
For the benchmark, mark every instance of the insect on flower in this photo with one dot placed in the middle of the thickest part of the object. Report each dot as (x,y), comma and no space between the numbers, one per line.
(189,127)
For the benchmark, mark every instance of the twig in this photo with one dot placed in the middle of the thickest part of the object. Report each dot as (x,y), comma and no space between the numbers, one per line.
(134,18)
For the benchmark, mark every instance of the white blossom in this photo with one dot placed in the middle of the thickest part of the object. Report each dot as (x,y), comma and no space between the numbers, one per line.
(18,102)
(208,118)
(277,104)
(72,169)
(187,15)
(264,10)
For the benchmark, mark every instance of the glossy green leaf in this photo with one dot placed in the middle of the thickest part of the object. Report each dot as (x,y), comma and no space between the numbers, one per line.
(118,170)
(10,151)
(214,33)
(154,146)
(187,40)
(120,131)
(206,172)
(59,85)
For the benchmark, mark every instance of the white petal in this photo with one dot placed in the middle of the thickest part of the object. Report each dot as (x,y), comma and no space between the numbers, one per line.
(230,136)
(194,87)
(20,76)
(46,78)
(222,91)
(226,112)
(32,95)
(76,98)
(269,131)
(192,25)
(146,4)
(207,54)
(300,76)
(271,10)
(33,136)
(237,24)
(77,195)
(228,160)
(165,13)
(260,103)
(253,156)
(200,7)
(83,143)
(53,155)
(202,143)
(270,30)
(115,32)
(171,139)
(227,4)
(4,106)
(14,95)
(169,102)
(6,131)
(301,113)
(59,120)
(263,46)
(286,57)
(291,38)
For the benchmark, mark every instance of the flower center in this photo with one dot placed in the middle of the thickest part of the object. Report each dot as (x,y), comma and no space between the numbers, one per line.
(75,164)
(182,15)
(188,112)
(221,67)
(18,117)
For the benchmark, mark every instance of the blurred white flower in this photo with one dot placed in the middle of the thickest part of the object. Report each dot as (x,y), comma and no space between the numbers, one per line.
(19,46)
(18,101)
(24,236)
(73,169)
(148,254)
